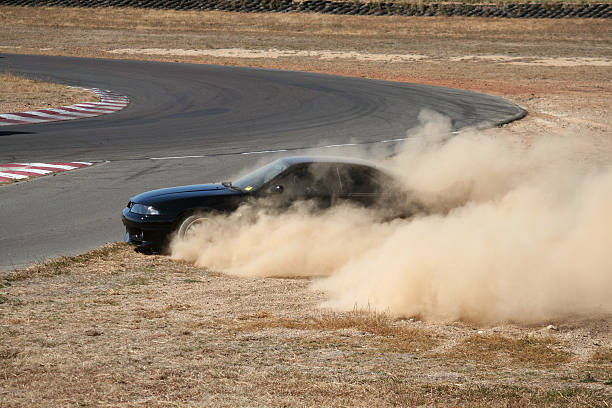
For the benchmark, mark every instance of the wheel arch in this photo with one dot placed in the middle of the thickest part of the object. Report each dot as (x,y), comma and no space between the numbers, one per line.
(192,211)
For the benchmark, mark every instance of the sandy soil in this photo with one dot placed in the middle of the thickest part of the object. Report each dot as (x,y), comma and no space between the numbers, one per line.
(363,56)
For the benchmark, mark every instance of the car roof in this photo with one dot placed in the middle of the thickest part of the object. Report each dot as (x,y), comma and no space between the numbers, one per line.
(293,160)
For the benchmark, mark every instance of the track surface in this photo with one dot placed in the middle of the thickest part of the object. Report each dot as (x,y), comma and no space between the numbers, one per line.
(188,110)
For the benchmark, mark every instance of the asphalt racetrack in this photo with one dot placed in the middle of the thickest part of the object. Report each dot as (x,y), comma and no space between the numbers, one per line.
(219,114)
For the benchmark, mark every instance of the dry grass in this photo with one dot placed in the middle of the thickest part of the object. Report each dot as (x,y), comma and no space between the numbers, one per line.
(101,29)
(115,327)
(58,266)
(19,94)
(331,31)
(603,356)
(377,331)
(498,349)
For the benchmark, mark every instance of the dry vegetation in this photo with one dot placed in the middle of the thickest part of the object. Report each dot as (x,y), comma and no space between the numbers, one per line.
(19,94)
(114,327)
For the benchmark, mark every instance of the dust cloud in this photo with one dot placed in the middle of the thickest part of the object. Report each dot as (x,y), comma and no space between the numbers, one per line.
(513,232)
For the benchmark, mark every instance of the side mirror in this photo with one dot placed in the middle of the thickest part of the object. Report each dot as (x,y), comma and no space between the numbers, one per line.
(277,189)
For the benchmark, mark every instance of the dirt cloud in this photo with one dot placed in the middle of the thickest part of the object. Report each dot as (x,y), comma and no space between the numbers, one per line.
(513,233)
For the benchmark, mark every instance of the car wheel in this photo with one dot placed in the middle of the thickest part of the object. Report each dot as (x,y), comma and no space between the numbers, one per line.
(190,225)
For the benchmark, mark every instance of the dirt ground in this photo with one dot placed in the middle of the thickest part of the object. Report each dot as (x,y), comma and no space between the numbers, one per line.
(114,327)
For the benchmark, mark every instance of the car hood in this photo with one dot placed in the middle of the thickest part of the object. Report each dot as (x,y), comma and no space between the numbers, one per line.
(170,193)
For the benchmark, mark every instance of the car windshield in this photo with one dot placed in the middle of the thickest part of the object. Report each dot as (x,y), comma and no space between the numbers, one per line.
(261,176)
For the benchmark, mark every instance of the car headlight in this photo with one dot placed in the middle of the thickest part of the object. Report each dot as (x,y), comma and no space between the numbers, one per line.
(144,209)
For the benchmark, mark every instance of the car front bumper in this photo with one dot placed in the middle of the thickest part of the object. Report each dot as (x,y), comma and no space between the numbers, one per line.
(146,230)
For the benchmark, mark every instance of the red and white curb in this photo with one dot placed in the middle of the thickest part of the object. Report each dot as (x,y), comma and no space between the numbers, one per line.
(109,102)
(20,171)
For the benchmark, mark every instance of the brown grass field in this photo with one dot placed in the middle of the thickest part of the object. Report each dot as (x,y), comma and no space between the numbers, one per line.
(22,94)
(117,328)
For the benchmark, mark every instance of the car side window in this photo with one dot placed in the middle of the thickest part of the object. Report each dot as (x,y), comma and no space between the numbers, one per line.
(297,182)
(314,180)
(325,179)
(361,180)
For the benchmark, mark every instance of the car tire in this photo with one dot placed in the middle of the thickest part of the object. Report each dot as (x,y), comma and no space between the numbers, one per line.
(189,225)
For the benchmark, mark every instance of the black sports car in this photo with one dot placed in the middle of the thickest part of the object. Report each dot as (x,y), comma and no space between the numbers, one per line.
(151,218)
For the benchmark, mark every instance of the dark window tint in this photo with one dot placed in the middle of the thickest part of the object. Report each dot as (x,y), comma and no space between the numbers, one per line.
(362,180)
(312,180)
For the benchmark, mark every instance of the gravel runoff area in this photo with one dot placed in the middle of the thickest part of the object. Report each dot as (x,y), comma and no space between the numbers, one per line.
(114,327)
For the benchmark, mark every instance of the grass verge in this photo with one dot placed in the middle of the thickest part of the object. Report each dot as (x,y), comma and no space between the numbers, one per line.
(18,94)
(116,327)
